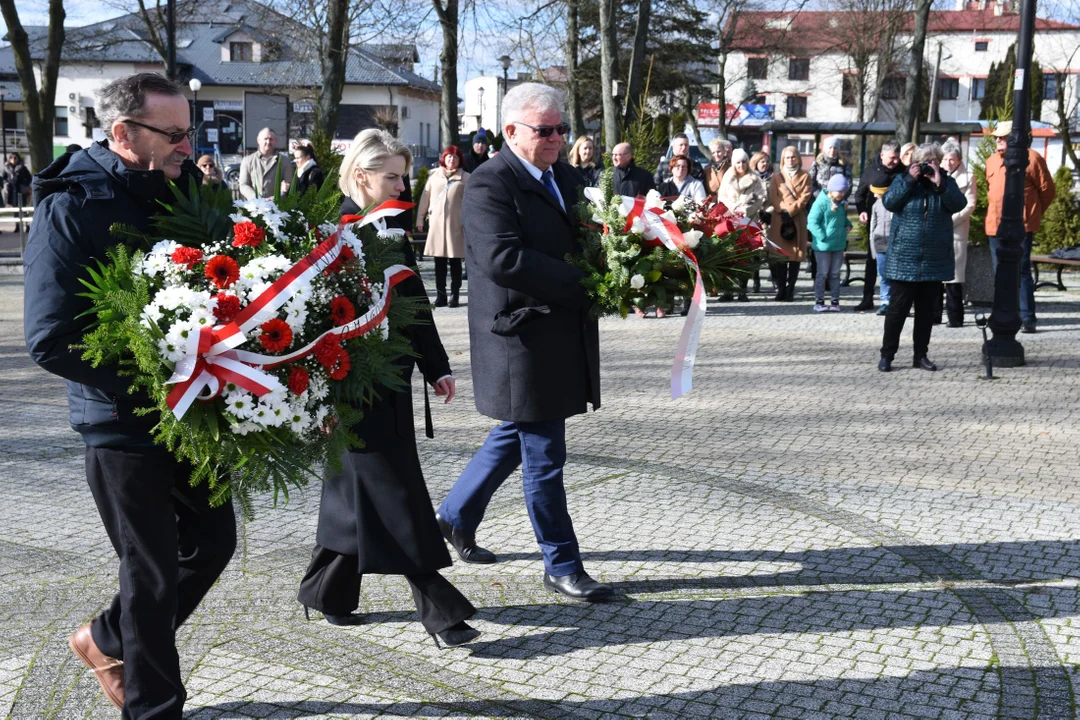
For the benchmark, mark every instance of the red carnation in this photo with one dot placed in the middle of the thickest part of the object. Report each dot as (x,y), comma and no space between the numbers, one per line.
(338,264)
(341,367)
(342,311)
(222,271)
(227,307)
(187,256)
(326,350)
(247,234)
(277,335)
(298,379)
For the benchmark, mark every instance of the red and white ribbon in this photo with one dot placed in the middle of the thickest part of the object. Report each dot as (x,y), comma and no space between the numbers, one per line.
(211,361)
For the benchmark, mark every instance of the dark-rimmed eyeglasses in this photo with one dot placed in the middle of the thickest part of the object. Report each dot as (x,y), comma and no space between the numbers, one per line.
(175,138)
(545,131)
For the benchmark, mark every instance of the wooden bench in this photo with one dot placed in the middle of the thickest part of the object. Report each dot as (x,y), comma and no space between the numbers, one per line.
(849,257)
(1047,260)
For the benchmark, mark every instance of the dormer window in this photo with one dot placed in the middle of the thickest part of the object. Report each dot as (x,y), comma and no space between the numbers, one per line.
(241,52)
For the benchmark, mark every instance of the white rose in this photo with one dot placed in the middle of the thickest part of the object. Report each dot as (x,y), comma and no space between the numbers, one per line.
(637,282)
(637,227)
(692,238)
(653,200)
(679,204)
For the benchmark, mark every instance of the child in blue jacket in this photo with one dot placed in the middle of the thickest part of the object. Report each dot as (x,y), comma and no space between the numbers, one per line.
(829,225)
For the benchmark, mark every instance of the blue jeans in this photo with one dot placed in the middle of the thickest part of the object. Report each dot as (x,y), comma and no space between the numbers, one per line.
(884,280)
(1027,282)
(539,448)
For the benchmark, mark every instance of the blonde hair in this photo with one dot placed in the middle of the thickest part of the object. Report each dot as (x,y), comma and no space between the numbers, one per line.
(792,148)
(368,152)
(717,143)
(757,157)
(575,156)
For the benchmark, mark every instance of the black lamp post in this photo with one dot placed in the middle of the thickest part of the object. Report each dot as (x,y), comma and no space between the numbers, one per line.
(505,61)
(3,127)
(1003,348)
(196,85)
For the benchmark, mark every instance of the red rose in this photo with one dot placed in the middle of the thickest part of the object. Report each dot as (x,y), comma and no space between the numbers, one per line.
(277,335)
(247,234)
(341,367)
(227,307)
(187,256)
(342,311)
(222,271)
(326,350)
(298,379)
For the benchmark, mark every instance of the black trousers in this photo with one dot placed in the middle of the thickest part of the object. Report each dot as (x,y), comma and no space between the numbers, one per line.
(440,275)
(332,585)
(785,275)
(903,294)
(870,275)
(954,303)
(172,547)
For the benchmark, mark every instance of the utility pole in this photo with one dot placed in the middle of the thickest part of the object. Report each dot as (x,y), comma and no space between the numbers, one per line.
(934,86)
(170,39)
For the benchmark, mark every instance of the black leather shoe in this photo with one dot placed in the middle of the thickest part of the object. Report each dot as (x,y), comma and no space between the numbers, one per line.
(924,363)
(453,301)
(1028,328)
(864,306)
(956,324)
(344,620)
(440,300)
(464,544)
(884,365)
(578,586)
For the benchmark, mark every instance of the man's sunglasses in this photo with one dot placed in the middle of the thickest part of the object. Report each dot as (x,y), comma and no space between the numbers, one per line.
(175,138)
(545,131)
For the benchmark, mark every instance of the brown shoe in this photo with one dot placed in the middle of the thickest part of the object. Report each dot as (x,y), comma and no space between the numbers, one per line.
(108,671)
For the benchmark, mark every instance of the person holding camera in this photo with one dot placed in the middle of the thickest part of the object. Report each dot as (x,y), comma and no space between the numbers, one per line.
(790,191)
(920,256)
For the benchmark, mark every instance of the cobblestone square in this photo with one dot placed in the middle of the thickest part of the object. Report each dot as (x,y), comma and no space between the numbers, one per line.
(799,537)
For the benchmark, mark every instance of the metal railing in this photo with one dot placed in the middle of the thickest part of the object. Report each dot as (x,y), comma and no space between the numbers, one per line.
(22,217)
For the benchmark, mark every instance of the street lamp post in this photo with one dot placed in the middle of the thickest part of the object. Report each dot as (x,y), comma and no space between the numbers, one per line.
(1003,348)
(480,112)
(196,85)
(505,61)
(3,127)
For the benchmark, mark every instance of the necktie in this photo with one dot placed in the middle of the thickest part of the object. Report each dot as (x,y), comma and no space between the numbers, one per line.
(549,183)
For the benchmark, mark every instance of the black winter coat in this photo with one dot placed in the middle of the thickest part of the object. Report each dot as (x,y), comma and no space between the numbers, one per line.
(77,198)
(921,240)
(875,175)
(535,349)
(377,506)
(311,178)
(633,181)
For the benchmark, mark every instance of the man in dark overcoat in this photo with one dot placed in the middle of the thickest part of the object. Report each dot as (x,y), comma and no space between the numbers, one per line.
(535,347)
(171,544)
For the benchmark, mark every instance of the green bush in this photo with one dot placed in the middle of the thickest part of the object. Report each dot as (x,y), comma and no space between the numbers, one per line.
(1061,222)
(421,181)
(325,155)
(986,148)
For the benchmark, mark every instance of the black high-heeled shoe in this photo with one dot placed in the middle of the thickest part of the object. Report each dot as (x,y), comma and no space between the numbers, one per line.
(459,634)
(339,620)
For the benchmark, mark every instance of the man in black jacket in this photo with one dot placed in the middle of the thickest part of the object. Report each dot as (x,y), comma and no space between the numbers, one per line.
(172,545)
(630,180)
(879,173)
(535,348)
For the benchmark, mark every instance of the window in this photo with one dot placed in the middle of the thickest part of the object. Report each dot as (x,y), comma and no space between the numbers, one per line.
(982,45)
(759,100)
(948,88)
(240,52)
(1050,86)
(60,123)
(893,88)
(91,122)
(757,68)
(847,91)
(796,106)
(978,88)
(798,69)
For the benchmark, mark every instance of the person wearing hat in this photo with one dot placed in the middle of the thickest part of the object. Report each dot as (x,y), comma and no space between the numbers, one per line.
(478,154)
(829,226)
(1039,192)
(880,224)
(877,174)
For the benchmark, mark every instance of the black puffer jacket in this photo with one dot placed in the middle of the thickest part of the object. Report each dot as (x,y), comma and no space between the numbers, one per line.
(875,175)
(921,241)
(77,199)
(823,170)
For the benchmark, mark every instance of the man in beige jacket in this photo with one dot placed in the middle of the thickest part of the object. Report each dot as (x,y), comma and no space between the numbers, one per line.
(259,170)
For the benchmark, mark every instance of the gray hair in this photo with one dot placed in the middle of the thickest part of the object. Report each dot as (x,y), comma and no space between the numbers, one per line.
(530,96)
(717,143)
(267,130)
(951,148)
(927,152)
(890,146)
(126,97)
(368,152)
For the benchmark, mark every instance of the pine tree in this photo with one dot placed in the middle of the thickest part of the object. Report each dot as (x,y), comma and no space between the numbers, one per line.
(1061,222)
(986,148)
(999,88)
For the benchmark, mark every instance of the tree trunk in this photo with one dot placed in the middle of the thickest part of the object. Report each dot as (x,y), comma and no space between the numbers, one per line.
(573,92)
(908,122)
(448,60)
(690,109)
(609,63)
(333,67)
(721,95)
(860,94)
(634,83)
(1063,120)
(40,110)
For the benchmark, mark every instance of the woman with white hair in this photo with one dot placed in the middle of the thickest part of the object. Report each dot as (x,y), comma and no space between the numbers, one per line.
(375,515)
(953,164)
(719,153)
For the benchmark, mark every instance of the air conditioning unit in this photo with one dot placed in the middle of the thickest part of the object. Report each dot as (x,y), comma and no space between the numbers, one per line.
(75,98)
(74,110)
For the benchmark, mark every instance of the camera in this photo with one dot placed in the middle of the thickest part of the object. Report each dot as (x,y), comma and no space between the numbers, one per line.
(926,169)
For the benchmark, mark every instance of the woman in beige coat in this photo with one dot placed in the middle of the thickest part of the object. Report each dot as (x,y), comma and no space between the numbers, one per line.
(446,234)
(790,191)
(953,164)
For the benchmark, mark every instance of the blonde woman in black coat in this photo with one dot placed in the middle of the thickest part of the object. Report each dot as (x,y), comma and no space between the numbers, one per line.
(376,514)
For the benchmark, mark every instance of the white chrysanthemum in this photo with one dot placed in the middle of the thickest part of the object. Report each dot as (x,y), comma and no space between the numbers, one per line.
(244,428)
(150,315)
(170,350)
(318,387)
(637,282)
(320,415)
(350,239)
(296,312)
(240,404)
(175,297)
(678,204)
(299,420)
(692,238)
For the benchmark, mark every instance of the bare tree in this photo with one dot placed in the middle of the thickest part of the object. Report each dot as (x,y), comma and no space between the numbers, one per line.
(447,12)
(573,94)
(907,123)
(868,37)
(635,81)
(609,68)
(39,104)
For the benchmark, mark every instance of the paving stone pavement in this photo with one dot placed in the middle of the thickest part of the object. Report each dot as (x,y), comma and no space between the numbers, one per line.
(799,537)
